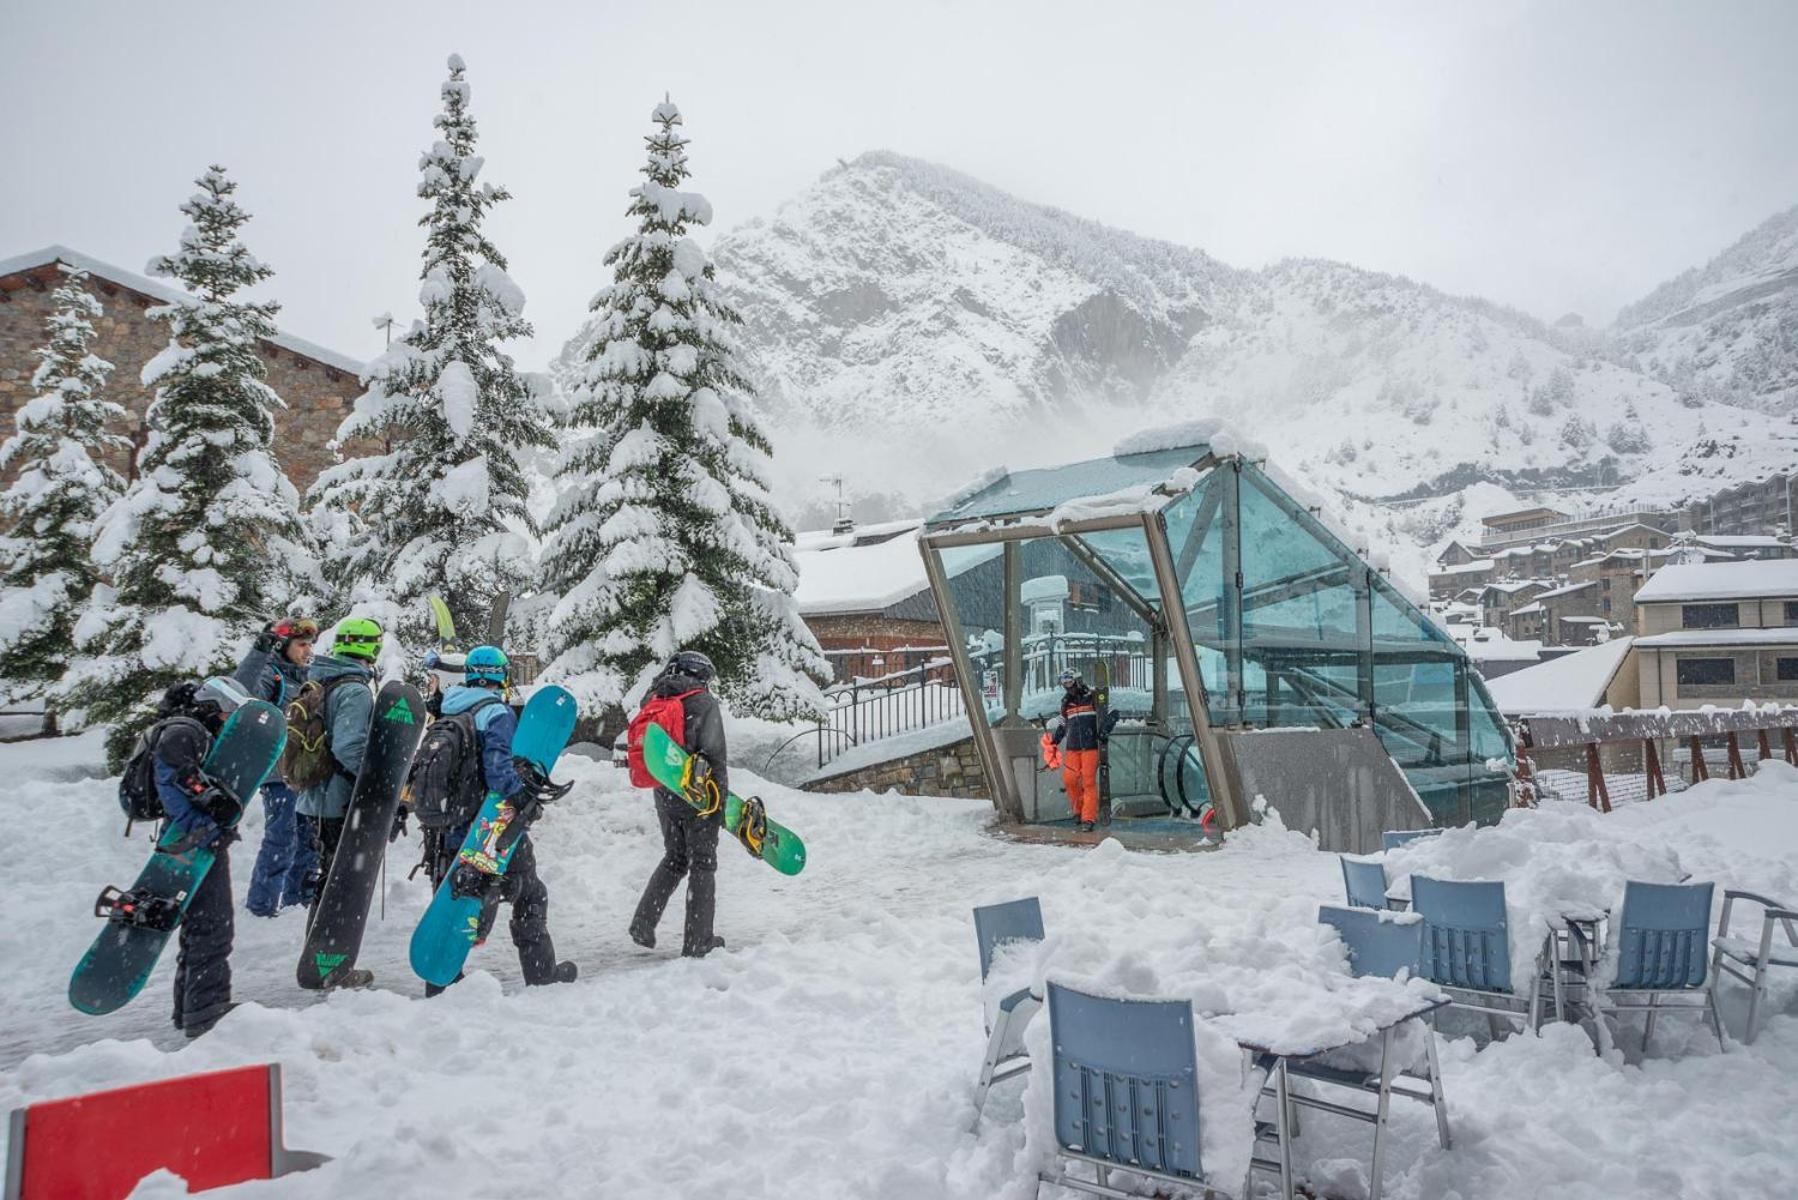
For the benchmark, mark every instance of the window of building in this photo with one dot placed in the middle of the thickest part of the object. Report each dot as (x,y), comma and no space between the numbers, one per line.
(1607,604)
(1786,670)
(1709,616)
(1792,612)
(1706,672)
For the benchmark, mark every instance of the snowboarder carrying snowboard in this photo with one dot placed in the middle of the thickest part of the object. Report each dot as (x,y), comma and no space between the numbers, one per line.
(274,670)
(1078,736)
(202,813)
(689,840)
(479,700)
(347,705)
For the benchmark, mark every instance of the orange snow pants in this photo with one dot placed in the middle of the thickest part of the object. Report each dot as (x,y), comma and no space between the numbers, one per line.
(1080,776)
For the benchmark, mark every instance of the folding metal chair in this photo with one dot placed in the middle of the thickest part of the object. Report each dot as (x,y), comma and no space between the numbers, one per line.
(1126,1092)
(1467,949)
(1392,839)
(1364,882)
(1660,954)
(1748,960)
(995,925)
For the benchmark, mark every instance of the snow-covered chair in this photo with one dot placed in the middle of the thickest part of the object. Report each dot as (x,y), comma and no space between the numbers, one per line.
(1363,882)
(1126,1092)
(1660,954)
(995,925)
(1748,960)
(1467,949)
(1392,839)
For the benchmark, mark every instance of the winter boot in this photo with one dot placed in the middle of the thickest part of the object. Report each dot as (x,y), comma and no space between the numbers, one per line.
(644,936)
(567,972)
(350,980)
(717,944)
(205,1027)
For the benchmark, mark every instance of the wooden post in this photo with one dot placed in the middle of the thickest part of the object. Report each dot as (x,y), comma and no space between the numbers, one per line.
(1596,790)
(1766,747)
(1651,758)
(1700,772)
(1791,740)
(1736,769)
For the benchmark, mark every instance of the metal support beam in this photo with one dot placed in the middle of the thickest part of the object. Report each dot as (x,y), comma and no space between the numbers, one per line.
(1090,559)
(1223,799)
(1012,651)
(1232,584)
(998,779)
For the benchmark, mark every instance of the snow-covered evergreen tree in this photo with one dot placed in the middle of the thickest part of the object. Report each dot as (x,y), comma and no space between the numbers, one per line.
(664,535)
(440,512)
(207,543)
(62,486)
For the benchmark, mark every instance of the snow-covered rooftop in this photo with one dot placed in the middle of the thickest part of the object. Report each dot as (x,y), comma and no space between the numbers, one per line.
(1489,644)
(1722,581)
(1747,541)
(1570,683)
(1778,636)
(837,576)
(1567,589)
(1052,488)
(1467,568)
(168,295)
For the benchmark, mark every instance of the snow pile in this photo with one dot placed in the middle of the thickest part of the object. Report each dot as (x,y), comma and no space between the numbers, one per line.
(847,1012)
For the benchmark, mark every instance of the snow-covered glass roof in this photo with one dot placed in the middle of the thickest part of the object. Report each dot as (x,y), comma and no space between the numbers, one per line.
(1020,492)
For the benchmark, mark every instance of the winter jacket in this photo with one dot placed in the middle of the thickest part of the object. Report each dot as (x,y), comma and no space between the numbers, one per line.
(181,750)
(348,711)
(495,724)
(268,675)
(1080,720)
(704,723)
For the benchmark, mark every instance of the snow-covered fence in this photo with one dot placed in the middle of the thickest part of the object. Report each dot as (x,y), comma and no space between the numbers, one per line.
(1623,756)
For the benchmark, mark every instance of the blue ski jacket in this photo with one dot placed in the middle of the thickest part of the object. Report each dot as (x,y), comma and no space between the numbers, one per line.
(1080,720)
(348,711)
(268,675)
(495,723)
(180,753)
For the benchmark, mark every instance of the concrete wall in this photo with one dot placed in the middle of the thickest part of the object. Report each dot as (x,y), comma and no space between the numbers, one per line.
(952,770)
(1653,617)
(1757,677)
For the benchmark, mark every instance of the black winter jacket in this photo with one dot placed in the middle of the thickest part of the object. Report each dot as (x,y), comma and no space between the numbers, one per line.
(704,723)
(1080,721)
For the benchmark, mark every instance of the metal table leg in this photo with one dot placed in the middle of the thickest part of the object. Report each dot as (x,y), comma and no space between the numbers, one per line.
(1282,1109)
(1379,1126)
(1436,1098)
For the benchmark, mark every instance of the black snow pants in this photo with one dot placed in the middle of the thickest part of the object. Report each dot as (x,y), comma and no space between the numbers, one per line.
(690,849)
(203,961)
(326,833)
(525,891)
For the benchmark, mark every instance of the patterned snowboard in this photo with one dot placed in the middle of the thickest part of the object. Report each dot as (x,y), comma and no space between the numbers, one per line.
(774,844)
(140,922)
(334,937)
(450,926)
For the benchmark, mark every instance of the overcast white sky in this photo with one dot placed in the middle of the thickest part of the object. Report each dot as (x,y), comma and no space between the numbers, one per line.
(1555,156)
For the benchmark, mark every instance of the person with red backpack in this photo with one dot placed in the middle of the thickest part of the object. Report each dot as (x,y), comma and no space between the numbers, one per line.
(680,702)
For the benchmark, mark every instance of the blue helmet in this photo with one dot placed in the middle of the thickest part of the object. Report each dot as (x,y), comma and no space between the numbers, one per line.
(485,664)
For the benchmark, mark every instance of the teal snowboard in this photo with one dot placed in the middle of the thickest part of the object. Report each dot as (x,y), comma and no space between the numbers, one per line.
(140,921)
(452,924)
(744,820)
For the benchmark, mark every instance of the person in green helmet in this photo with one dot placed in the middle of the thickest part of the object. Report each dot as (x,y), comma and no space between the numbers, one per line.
(347,673)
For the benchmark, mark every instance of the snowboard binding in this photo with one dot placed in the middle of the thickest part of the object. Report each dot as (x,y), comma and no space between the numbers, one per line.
(752,826)
(700,789)
(134,908)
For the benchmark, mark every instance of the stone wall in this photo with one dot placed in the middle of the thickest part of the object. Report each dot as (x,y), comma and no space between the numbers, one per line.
(952,770)
(317,395)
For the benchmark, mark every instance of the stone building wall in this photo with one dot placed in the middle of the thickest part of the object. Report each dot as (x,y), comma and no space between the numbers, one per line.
(952,770)
(318,395)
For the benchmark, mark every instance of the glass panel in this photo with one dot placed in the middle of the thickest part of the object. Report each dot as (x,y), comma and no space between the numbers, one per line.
(1071,618)
(1126,552)
(1198,525)
(977,594)
(1043,489)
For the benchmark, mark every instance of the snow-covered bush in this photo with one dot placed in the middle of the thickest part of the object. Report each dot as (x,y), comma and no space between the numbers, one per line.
(207,543)
(442,511)
(62,485)
(665,535)
(1577,433)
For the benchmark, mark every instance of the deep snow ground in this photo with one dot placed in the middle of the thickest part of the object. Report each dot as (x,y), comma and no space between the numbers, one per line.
(831,1050)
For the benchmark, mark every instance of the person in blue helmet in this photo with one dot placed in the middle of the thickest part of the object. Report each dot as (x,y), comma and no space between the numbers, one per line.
(191,715)
(480,701)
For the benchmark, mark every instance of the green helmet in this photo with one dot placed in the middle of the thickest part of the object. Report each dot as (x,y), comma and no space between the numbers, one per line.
(357,637)
(485,664)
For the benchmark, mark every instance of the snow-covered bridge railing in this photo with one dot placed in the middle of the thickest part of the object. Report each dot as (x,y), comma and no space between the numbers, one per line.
(1632,748)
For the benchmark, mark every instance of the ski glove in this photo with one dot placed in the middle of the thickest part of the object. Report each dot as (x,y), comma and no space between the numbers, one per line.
(267,641)
(399,825)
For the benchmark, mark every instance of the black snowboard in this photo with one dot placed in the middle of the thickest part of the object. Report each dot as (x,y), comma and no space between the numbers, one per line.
(335,935)
(1102,715)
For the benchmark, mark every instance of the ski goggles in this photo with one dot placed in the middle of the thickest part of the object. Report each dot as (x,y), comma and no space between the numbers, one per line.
(297,629)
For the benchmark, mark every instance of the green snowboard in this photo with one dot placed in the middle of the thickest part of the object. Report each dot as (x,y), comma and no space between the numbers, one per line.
(744,820)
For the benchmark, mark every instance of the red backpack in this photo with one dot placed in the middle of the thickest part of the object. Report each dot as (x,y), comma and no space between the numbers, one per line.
(671,715)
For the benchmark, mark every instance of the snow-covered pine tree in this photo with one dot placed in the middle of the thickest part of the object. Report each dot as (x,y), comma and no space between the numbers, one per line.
(63,485)
(664,535)
(207,543)
(440,511)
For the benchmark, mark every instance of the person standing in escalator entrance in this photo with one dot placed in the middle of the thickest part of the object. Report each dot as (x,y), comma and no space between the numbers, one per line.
(1078,737)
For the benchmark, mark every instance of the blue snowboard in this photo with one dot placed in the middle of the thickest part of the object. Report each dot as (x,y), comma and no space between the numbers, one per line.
(141,921)
(451,925)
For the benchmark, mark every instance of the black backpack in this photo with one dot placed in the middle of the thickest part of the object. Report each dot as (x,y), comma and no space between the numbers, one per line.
(137,786)
(445,786)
